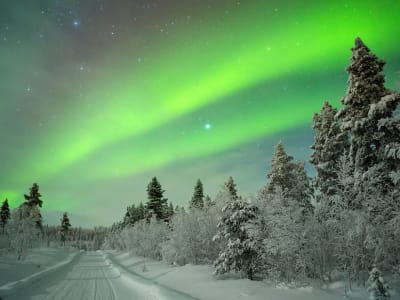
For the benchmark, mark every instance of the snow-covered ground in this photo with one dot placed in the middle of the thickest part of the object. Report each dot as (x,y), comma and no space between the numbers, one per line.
(37,261)
(89,275)
(71,275)
(199,282)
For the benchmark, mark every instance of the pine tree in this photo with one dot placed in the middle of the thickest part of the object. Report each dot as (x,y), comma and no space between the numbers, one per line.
(281,173)
(141,211)
(65,225)
(237,227)
(157,204)
(302,191)
(4,214)
(208,202)
(366,87)
(33,203)
(33,199)
(170,211)
(198,196)
(230,187)
(291,178)
(330,143)
(369,115)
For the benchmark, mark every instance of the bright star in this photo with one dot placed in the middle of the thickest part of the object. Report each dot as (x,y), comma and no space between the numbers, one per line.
(76,23)
(207,126)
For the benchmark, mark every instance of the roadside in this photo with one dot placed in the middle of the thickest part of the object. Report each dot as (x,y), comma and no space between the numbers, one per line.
(38,263)
(199,282)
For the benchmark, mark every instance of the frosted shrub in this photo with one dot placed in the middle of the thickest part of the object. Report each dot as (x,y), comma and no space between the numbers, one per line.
(378,289)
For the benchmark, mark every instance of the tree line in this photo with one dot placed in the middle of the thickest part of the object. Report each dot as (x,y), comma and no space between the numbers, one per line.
(22,229)
(342,223)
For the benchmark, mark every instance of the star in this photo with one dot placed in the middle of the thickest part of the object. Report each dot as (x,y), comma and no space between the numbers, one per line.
(76,23)
(207,126)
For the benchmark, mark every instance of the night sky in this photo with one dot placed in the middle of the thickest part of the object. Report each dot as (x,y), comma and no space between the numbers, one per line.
(97,96)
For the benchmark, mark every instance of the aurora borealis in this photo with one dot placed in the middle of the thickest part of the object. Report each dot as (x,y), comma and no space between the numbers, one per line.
(99,96)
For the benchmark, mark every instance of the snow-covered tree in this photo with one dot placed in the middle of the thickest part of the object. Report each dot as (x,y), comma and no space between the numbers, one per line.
(157,204)
(22,231)
(33,199)
(198,196)
(283,234)
(237,226)
(291,178)
(281,173)
(377,288)
(145,238)
(366,101)
(65,225)
(4,214)
(134,214)
(33,203)
(302,191)
(330,142)
(190,240)
(230,188)
(208,202)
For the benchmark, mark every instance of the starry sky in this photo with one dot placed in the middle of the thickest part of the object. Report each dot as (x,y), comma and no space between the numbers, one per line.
(99,96)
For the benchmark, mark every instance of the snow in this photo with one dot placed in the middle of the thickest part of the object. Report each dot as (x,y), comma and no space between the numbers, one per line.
(199,282)
(73,275)
(38,263)
(88,275)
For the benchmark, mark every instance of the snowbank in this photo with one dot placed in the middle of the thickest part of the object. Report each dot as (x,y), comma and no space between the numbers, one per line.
(39,263)
(199,282)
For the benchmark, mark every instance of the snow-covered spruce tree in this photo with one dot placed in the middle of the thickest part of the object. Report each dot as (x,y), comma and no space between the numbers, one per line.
(281,170)
(371,116)
(285,204)
(65,225)
(330,142)
(230,188)
(208,203)
(157,204)
(377,288)
(291,178)
(169,212)
(134,214)
(33,203)
(237,226)
(302,191)
(366,101)
(4,215)
(33,199)
(198,196)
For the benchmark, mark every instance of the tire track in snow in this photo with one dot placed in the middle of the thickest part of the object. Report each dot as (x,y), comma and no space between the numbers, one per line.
(114,293)
(93,276)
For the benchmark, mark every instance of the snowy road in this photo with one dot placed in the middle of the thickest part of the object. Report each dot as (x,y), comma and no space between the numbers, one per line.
(92,277)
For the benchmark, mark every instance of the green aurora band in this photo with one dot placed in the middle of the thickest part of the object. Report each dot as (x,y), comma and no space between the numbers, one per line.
(141,105)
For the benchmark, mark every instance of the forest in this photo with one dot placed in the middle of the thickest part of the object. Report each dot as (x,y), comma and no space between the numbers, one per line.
(341,224)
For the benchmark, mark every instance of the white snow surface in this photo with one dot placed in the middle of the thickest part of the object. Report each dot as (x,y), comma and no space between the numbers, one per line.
(111,275)
(87,275)
(199,282)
